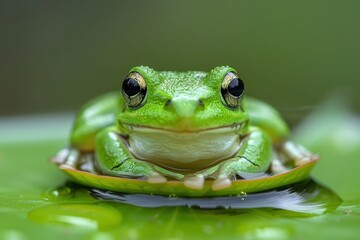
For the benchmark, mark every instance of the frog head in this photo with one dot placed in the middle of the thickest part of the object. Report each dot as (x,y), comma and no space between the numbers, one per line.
(183,120)
(190,101)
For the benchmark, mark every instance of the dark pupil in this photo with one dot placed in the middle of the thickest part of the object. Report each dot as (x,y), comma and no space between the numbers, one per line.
(131,87)
(236,87)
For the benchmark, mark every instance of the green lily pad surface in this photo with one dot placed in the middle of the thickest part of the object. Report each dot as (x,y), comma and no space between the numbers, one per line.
(177,188)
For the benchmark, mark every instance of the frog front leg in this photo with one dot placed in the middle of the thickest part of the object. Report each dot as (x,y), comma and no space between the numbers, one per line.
(114,158)
(254,157)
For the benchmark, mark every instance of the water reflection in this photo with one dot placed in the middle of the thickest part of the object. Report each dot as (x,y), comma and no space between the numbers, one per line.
(82,215)
(304,197)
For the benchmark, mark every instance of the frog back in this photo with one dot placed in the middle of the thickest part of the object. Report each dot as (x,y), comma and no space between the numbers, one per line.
(93,117)
(264,116)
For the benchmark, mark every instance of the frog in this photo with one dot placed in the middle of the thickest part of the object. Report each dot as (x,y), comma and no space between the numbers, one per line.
(186,126)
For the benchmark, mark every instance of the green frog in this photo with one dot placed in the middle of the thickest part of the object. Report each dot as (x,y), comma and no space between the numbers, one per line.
(185,126)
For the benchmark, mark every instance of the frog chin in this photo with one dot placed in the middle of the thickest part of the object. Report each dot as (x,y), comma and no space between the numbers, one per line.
(190,150)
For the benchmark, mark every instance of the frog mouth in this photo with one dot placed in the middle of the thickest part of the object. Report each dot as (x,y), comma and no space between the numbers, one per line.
(235,127)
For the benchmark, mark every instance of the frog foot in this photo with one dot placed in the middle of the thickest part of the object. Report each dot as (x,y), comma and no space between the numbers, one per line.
(297,153)
(156,178)
(67,157)
(229,170)
(195,182)
(221,183)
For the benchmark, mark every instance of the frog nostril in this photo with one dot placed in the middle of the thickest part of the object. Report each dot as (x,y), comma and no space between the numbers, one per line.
(200,103)
(168,102)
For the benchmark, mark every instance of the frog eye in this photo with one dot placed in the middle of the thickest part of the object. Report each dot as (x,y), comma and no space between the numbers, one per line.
(232,89)
(134,89)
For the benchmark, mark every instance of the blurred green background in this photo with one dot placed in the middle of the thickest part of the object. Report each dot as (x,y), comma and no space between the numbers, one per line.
(55,55)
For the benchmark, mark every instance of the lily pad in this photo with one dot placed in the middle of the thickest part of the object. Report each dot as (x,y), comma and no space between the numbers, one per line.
(177,188)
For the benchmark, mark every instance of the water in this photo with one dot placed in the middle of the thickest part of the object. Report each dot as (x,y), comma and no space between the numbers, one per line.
(304,197)
(101,210)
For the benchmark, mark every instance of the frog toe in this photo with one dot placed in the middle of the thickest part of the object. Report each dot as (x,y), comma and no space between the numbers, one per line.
(194,182)
(67,157)
(297,153)
(61,156)
(221,183)
(156,178)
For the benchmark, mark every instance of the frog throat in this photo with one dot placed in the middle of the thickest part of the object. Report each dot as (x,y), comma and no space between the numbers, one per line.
(184,150)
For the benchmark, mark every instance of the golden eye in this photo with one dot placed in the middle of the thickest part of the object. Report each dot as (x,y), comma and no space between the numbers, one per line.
(232,89)
(134,89)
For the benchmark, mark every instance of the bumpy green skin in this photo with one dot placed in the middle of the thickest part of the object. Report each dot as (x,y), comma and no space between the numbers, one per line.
(103,125)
